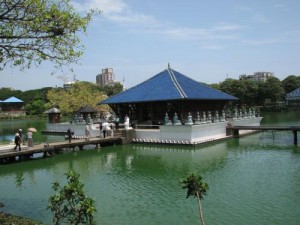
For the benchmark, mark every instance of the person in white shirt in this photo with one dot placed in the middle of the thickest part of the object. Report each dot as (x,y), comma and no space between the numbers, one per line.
(29,139)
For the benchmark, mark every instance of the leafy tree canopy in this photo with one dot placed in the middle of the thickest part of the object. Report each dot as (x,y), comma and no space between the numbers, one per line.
(273,89)
(113,90)
(69,204)
(79,95)
(32,31)
(291,83)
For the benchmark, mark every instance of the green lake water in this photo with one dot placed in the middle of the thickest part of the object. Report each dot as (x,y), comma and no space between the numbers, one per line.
(253,180)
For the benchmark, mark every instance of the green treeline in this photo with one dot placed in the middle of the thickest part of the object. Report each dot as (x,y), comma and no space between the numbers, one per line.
(37,101)
(259,93)
(249,92)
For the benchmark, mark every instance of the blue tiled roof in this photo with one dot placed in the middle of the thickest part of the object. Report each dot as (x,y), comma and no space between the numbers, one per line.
(293,95)
(168,85)
(12,100)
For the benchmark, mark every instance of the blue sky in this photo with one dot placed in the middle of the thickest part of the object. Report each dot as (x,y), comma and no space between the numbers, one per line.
(205,40)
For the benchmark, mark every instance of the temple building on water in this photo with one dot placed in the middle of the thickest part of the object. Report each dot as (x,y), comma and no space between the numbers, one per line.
(173,108)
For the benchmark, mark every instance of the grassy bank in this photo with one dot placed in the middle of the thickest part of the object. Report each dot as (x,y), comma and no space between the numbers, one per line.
(8,219)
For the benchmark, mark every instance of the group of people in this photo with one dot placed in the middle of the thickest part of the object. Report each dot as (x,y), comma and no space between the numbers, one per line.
(19,139)
(106,129)
(70,133)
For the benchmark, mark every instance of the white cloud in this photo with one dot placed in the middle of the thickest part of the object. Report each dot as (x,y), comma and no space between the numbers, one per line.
(281,6)
(253,14)
(119,12)
(286,37)
(261,42)
(107,6)
(116,11)
(212,47)
(197,34)
(227,27)
(243,9)
(260,18)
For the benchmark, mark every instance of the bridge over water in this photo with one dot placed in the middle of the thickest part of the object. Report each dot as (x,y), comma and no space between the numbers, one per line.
(235,130)
(56,147)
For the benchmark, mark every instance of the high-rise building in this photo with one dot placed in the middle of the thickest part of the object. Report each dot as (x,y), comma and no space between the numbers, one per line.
(107,77)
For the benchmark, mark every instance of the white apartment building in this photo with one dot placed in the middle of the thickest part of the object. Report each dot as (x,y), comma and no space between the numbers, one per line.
(257,76)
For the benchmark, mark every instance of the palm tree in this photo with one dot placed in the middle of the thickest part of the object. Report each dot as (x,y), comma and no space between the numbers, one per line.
(195,187)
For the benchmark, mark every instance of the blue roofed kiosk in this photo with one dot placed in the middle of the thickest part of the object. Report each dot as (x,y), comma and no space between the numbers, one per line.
(180,108)
(12,107)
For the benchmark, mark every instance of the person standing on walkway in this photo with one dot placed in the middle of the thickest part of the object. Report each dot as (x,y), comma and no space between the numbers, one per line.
(17,142)
(29,139)
(104,128)
(87,133)
(69,134)
(117,121)
(20,134)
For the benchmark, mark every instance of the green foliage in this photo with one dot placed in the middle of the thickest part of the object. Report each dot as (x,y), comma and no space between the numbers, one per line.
(32,31)
(197,188)
(36,107)
(8,92)
(70,205)
(113,90)
(272,89)
(79,95)
(251,92)
(7,219)
(194,185)
(215,86)
(36,102)
(291,83)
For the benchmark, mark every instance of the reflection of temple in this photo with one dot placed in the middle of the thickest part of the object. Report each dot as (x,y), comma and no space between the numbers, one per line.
(172,108)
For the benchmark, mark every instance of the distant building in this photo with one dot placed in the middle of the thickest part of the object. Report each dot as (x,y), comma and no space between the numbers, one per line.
(257,76)
(107,77)
(68,84)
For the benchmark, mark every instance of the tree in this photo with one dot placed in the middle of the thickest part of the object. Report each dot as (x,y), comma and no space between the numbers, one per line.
(250,95)
(215,86)
(32,31)
(113,90)
(70,205)
(36,107)
(195,187)
(8,92)
(291,83)
(79,95)
(272,89)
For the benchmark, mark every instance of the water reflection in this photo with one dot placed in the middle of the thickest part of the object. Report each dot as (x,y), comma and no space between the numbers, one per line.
(19,179)
(253,180)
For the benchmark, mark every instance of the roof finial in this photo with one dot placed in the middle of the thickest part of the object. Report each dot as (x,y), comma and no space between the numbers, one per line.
(169,67)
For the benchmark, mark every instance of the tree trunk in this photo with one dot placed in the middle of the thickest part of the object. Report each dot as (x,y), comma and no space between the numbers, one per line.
(200,209)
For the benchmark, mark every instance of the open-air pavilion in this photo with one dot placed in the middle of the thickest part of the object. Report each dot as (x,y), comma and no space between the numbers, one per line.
(173,108)
(168,92)
(12,107)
